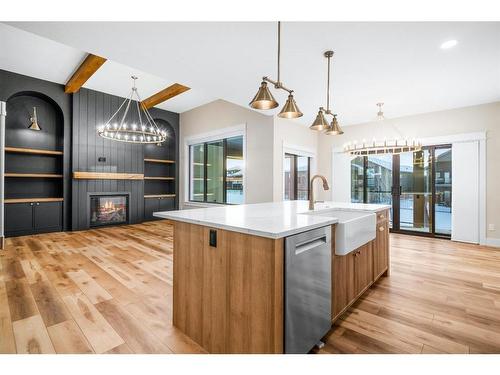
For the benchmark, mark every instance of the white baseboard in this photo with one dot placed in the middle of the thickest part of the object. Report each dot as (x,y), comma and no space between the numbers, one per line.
(495,242)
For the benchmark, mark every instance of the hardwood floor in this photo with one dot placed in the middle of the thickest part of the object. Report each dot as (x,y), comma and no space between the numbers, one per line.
(110,291)
(97,291)
(441,297)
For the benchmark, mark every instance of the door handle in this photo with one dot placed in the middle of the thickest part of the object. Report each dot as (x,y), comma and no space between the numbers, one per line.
(306,246)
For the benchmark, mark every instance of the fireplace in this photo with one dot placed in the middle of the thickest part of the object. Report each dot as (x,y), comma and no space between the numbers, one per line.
(108,209)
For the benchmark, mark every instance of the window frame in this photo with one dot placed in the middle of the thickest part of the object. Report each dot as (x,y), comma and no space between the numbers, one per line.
(295,174)
(214,136)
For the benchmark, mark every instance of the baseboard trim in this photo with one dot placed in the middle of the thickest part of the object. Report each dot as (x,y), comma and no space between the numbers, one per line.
(495,242)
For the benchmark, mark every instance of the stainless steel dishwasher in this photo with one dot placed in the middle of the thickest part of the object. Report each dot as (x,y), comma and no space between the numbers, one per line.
(308,289)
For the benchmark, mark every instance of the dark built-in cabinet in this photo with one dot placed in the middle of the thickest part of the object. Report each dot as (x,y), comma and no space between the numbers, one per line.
(160,174)
(34,174)
(33,217)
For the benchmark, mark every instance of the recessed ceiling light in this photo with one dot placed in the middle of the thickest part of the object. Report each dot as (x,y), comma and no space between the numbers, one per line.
(449,44)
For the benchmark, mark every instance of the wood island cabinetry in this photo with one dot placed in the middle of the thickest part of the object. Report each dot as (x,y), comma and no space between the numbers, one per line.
(228,296)
(355,272)
(228,286)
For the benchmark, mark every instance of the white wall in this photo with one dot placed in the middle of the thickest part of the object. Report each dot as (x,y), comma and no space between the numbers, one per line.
(220,114)
(484,117)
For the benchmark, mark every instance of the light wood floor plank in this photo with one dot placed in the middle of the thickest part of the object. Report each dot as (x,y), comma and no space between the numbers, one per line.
(49,303)
(96,329)
(21,302)
(67,338)
(94,292)
(138,337)
(32,337)
(7,343)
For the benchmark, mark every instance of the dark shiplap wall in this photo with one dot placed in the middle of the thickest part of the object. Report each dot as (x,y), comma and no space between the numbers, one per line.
(90,109)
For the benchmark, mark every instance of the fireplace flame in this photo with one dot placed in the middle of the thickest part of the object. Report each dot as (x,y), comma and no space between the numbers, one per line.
(109,205)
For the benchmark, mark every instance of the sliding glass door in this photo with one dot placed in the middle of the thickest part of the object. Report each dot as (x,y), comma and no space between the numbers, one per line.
(379,178)
(415,191)
(417,185)
(442,190)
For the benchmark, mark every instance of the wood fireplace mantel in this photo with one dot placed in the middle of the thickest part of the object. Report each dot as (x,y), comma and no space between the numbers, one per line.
(107,176)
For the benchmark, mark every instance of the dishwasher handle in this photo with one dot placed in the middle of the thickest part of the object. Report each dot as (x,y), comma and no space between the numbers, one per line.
(309,245)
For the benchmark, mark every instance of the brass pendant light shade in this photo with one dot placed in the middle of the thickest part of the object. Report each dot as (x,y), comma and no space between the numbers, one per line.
(320,123)
(334,128)
(263,99)
(290,109)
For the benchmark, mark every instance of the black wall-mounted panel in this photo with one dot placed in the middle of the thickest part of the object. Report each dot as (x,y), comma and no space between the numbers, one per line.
(47,216)
(159,187)
(20,218)
(151,205)
(16,187)
(28,163)
(159,169)
(167,204)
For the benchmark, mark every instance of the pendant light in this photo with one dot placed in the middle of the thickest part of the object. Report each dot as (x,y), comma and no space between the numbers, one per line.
(321,123)
(265,100)
(142,131)
(395,146)
(380,114)
(34,121)
(334,128)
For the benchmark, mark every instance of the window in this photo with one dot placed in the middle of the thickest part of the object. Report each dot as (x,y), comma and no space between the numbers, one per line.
(216,171)
(296,177)
(416,184)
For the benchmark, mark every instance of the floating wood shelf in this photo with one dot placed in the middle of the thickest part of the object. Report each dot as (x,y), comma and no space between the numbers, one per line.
(160,178)
(107,176)
(30,200)
(34,175)
(160,196)
(32,151)
(164,161)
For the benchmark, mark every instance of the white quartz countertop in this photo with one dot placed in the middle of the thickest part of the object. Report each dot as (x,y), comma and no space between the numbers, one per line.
(271,220)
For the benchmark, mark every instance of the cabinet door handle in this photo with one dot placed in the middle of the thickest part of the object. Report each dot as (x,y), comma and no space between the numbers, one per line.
(31,204)
(381,229)
(37,203)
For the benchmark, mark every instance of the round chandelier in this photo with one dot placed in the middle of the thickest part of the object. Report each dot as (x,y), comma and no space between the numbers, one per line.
(375,147)
(141,128)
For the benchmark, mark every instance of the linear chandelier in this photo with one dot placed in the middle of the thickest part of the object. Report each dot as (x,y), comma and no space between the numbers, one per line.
(321,123)
(382,147)
(138,131)
(265,100)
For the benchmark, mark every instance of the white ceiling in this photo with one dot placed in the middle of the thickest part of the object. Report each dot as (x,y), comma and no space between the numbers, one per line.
(400,64)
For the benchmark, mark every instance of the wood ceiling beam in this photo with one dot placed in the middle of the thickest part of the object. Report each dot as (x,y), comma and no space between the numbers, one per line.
(163,95)
(87,68)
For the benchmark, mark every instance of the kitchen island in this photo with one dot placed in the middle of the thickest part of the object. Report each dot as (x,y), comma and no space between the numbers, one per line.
(229,269)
